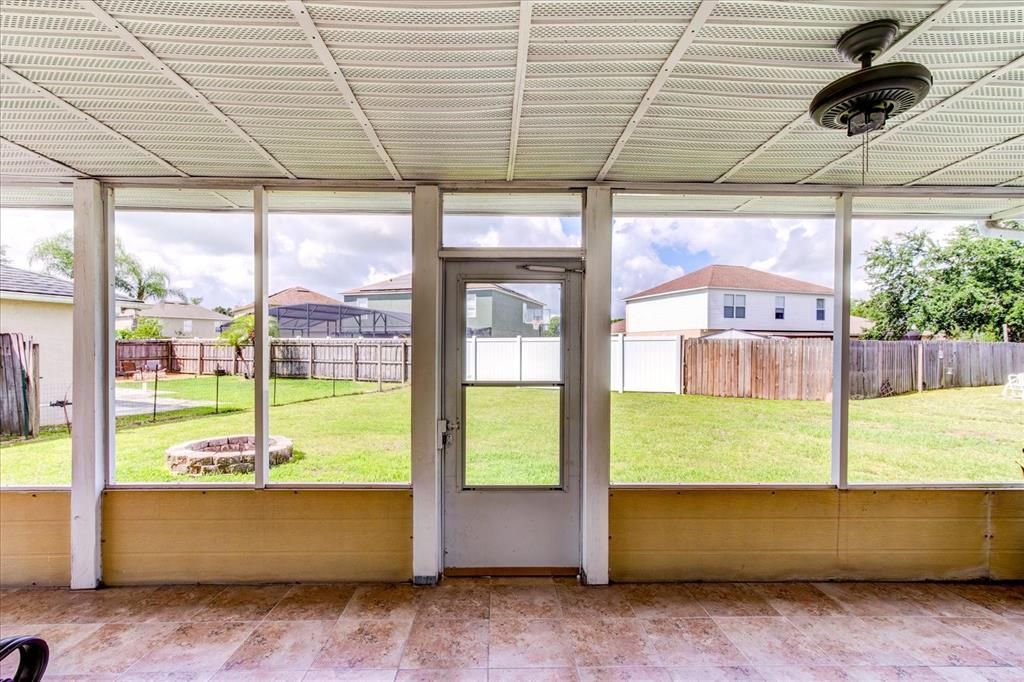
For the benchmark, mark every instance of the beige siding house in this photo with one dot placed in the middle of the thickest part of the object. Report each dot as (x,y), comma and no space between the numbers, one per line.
(185,320)
(40,307)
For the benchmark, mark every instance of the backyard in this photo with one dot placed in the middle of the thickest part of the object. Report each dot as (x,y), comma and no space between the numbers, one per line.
(361,435)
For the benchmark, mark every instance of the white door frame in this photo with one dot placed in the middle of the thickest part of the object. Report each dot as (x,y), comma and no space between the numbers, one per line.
(426,383)
(515,526)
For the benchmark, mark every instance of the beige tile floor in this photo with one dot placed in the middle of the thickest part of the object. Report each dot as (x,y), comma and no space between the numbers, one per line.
(528,630)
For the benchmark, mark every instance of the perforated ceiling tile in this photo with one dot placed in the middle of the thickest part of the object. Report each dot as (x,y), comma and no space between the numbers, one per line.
(436,83)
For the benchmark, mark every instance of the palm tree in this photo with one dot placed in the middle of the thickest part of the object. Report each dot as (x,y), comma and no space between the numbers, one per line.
(56,255)
(145,284)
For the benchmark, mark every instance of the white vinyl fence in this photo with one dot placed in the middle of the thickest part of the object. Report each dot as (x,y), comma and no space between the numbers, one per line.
(649,364)
(513,359)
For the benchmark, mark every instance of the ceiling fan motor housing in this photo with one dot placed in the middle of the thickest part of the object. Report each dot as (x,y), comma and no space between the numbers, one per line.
(864,100)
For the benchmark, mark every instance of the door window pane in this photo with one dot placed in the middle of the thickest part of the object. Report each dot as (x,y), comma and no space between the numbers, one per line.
(514,333)
(513,436)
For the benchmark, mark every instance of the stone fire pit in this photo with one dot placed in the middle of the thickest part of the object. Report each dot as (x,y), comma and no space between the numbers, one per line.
(224,455)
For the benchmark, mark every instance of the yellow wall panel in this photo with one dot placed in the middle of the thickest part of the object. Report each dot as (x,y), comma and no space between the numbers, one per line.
(35,538)
(167,536)
(1006,559)
(816,534)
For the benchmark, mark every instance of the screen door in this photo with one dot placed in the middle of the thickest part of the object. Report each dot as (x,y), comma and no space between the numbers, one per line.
(511,412)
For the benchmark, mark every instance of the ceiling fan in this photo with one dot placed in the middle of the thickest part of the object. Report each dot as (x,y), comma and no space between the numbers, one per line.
(864,100)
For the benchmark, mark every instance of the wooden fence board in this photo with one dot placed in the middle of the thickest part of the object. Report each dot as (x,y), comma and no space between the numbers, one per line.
(383,360)
(801,369)
(19,385)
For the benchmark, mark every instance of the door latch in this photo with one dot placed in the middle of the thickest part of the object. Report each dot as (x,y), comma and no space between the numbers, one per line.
(446,433)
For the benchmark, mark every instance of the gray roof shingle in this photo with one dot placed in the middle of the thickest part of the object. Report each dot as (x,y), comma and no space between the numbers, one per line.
(28,282)
(19,281)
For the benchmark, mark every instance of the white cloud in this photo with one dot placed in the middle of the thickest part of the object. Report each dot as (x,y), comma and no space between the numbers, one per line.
(210,255)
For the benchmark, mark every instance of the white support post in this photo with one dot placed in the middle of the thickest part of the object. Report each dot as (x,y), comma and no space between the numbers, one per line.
(426,384)
(92,438)
(261,343)
(841,341)
(597,307)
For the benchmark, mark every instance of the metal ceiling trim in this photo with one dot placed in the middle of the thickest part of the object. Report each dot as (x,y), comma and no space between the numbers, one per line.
(903,41)
(522,54)
(144,52)
(697,21)
(44,157)
(1013,212)
(973,157)
(95,122)
(316,41)
(939,107)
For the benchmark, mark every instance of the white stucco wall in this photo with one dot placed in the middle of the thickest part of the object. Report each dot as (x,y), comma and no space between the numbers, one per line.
(669,313)
(49,325)
(800,312)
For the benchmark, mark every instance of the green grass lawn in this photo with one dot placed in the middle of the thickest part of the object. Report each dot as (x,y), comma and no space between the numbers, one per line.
(952,435)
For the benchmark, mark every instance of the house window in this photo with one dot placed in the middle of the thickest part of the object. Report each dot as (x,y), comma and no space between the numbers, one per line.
(735,306)
(470,306)
(819,310)
(780,307)
(363,302)
(186,326)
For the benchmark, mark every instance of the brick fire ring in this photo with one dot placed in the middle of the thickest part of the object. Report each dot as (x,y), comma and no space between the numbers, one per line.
(224,455)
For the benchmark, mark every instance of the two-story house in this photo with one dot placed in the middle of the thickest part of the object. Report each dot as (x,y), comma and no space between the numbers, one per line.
(491,309)
(721,297)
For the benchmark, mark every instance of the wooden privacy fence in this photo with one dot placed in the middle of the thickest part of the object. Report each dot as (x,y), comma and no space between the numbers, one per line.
(19,385)
(801,369)
(791,369)
(381,360)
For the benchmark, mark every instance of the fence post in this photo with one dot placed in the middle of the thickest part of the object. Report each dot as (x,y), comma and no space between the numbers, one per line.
(679,365)
(380,365)
(199,361)
(920,366)
(519,353)
(309,370)
(33,397)
(405,361)
(622,363)
(355,361)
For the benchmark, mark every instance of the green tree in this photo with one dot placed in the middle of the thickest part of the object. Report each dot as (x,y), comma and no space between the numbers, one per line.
(145,284)
(976,286)
(144,328)
(967,288)
(55,254)
(241,333)
(131,278)
(554,326)
(222,310)
(898,281)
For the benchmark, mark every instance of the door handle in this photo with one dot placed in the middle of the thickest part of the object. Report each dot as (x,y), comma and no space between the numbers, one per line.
(446,432)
